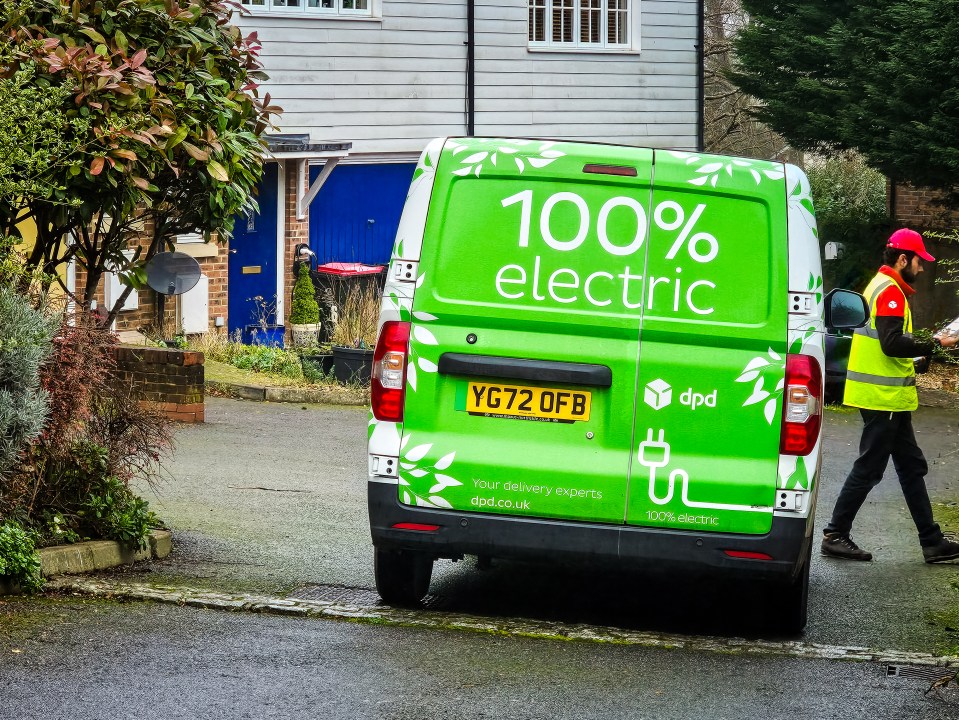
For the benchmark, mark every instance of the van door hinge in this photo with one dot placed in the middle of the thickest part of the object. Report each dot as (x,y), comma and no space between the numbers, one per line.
(791,500)
(802,303)
(405,271)
(384,466)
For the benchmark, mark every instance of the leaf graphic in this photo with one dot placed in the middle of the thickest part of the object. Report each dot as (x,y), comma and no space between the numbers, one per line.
(437,500)
(748,376)
(427,365)
(478,168)
(508,150)
(796,345)
(425,317)
(758,394)
(403,482)
(539,162)
(714,179)
(420,279)
(519,164)
(773,355)
(419,472)
(475,158)
(407,500)
(447,481)
(742,163)
(411,376)
(418,453)
(699,180)
(408,466)
(552,154)
(756,176)
(812,281)
(422,335)
(463,171)
(709,168)
(756,362)
(770,411)
(405,440)
(445,461)
(422,502)
(493,159)
(729,169)
(781,384)
(774,174)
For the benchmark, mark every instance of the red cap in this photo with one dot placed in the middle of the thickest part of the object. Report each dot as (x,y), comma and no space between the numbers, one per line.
(906,239)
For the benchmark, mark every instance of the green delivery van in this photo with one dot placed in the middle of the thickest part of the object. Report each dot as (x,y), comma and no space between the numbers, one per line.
(595,352)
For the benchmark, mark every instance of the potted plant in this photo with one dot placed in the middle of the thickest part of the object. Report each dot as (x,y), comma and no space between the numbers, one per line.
(354,335)
(305,311)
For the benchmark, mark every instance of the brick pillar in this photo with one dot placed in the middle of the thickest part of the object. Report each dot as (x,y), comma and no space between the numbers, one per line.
(297,231)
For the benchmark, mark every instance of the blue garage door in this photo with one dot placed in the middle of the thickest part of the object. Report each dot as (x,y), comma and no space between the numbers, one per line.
(252,264)
(355,215)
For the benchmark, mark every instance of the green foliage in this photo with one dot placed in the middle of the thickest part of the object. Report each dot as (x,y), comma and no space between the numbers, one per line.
(25,342)
(19,561)
(162,122)
(305,310)
(112,511)
(878,77)
(850,200)
(261,358)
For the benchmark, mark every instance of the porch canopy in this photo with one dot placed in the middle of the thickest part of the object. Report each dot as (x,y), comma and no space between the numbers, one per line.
(299,148)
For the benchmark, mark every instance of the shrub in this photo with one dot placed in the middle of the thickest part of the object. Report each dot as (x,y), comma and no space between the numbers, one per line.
(19,561)
(260,358)
(358,319)
(850,200)
(25,342)
(112,511)
(96,439)
(304,309)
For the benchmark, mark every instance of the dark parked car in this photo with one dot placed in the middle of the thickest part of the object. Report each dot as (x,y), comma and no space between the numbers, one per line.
(837,357)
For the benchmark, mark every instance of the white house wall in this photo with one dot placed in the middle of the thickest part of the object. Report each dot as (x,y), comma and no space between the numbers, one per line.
(390,85)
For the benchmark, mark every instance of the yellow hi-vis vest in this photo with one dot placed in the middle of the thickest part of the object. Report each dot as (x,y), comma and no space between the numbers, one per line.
(874,380)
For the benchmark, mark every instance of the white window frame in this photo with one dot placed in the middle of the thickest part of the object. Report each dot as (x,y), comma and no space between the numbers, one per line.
(373,10)
(577,44)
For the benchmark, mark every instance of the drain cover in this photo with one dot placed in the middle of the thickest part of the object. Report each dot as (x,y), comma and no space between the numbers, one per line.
(338,594)
(928,673)
(359,597)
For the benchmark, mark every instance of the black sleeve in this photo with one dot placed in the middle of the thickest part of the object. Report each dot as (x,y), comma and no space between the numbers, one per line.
(895,344)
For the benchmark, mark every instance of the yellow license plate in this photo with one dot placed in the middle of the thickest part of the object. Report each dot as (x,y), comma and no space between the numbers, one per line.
(527,403)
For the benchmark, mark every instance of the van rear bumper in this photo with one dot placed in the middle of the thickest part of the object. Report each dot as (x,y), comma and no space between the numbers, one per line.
(524,538)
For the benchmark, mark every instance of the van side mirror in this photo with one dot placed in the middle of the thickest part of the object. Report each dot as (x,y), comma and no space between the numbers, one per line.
(845,310)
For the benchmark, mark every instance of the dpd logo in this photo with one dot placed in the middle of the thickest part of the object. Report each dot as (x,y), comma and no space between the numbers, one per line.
(659,393)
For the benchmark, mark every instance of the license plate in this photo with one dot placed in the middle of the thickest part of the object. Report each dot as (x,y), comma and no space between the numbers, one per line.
(524,402)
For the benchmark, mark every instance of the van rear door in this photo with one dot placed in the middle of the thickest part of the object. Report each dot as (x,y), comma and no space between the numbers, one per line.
(525,324)
(712,348)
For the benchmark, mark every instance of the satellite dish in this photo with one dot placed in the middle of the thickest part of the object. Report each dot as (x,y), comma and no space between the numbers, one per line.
(172,273)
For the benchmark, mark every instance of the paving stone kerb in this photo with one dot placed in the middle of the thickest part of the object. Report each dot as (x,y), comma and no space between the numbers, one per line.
(319,396)
(96,555)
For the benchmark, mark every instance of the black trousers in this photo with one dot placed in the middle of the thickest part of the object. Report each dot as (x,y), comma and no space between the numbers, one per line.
(886,434)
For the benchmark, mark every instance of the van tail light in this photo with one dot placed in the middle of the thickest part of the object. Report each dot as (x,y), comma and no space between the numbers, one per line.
(388,384)
(802,405)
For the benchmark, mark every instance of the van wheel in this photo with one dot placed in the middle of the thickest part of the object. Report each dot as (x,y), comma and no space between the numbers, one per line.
(792,602)
(402,576)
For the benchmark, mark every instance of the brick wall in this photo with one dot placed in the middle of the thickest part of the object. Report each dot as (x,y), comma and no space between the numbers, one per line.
(144,318)
(171,380)
(297,231)
(921,210)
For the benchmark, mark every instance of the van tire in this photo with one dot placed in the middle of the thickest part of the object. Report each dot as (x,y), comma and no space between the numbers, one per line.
(792,601)
(402,576)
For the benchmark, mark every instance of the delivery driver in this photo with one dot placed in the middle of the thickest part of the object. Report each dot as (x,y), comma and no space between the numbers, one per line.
(881,382)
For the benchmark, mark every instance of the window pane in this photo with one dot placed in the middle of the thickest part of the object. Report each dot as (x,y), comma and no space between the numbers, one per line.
(563,20)
(253,3)
(590,21)
(537,20)
(618,25)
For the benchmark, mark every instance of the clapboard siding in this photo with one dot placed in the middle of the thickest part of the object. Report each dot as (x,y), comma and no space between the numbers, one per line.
(389,85)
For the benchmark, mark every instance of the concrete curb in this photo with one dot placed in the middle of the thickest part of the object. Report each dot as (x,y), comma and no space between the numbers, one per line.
(93,555)
(545,630)
(319,396)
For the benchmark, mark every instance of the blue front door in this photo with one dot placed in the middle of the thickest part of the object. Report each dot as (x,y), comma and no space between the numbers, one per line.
(355,215)
(252,265)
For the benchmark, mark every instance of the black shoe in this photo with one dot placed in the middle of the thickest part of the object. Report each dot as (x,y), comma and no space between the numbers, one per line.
(945,549)
(842,546)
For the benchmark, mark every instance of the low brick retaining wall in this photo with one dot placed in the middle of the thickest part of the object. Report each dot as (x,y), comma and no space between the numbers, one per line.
(169,379)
